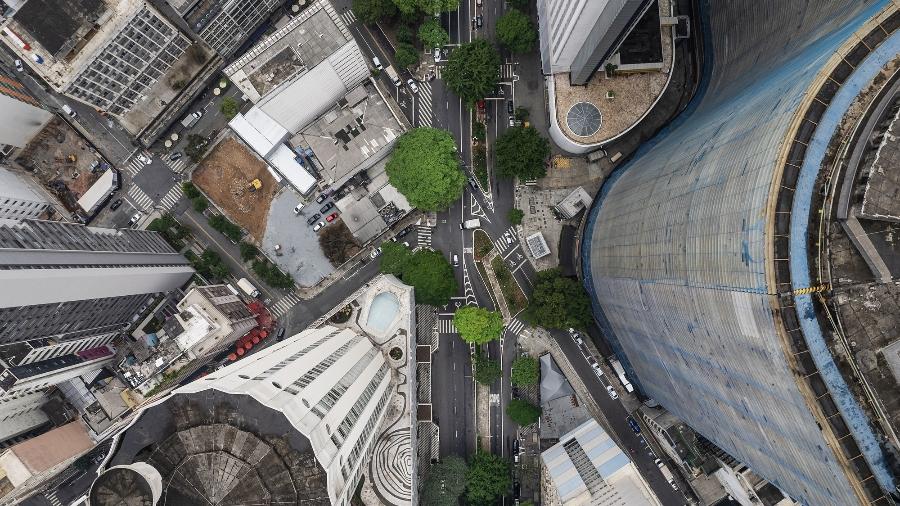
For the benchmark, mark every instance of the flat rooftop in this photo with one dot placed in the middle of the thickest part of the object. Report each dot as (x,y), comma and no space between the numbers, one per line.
(881,199)
(59,25)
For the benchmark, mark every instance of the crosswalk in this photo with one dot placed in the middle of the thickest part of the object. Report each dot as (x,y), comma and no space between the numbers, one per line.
(171,198)
(178,165)
(348,16)
(515,326)
(138,199)
(423,236)
(446,327)
(285,304)
(135,164)
(507,71)
(425,103)
(52,499)
(506,240)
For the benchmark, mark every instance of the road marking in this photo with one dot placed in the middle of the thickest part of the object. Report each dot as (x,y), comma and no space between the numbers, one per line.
(138,198)
(446,327)
(172,197)
(285,304)
(348,16)
(426,114)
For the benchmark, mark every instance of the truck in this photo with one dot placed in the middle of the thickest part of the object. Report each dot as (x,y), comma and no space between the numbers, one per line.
(620,372)
(470,224)
(392,74)
(189,121)
(247,287)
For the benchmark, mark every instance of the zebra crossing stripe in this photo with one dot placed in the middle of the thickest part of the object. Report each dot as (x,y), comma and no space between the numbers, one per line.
(171,197)
(426,113)
(285,304)
(52,499)
(348,16)
(515,326)
(178,165)
(137,196)
(446,327)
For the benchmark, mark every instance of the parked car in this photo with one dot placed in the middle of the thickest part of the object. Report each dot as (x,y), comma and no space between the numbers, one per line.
(510,108)
(405,231)
(455,260)
(331,217)
(318,226)
(634,425)
(321,198)
(299,207)
(197,114)
(176,156)
(437,54)
(375,253)
(479,21)
(312,219)
(473,183)
(280,334)
(146,160)
(612,392)
(413,87)
(135,219)
(326,207)
(115,204)
(512,121)
(19,66)
(377,63)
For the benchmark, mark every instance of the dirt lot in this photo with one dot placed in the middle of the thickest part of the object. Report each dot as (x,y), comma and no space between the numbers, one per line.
(225,175)
(48,156)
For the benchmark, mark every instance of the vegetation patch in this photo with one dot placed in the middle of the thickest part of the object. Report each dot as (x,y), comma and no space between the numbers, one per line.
(483,244)
(515,299)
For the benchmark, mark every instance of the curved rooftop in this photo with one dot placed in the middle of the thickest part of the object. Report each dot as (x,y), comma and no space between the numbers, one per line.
(384,309)
(695,252)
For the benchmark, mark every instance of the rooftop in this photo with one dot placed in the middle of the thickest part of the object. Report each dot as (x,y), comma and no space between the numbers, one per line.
(59,25)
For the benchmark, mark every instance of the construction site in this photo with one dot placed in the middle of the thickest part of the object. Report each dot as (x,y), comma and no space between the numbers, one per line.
(62,161)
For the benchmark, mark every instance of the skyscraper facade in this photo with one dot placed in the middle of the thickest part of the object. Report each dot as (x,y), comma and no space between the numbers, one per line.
(695,248)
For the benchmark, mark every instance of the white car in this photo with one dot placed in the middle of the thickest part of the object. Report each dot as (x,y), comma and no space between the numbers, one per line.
(318,226)
(596,367)
(135,219)
(413,87)
(197,114)
(19,66)
(146,160)
(377,63)
(612,392)
(375,253)
(298,209)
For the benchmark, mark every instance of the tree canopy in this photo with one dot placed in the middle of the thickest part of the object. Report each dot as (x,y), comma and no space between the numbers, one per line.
(525,371)
(487,371)
(522,152)
(430,7)
(427,271)
(372,11)
(558,302)
(477,324)
(522,412)
(425,169)
(446,481)
(487,479)
(473,70)
(516,31)
(229,107)
(515,216)
(432,34)
(406,55)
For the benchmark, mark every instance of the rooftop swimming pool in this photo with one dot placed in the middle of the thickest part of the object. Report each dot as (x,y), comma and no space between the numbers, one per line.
(382,311)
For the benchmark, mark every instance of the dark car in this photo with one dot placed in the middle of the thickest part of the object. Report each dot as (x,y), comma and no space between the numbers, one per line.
(634,425)
(326,207)
(321,198)
(280,334)
(312,219)
(516,490)
(473,183)
(405,231)
(116,204)
(479,21)
(175,156)
(509,106)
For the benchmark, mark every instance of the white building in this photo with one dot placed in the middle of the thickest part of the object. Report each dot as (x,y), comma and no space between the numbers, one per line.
(210,319)
(18,199)
(586,467)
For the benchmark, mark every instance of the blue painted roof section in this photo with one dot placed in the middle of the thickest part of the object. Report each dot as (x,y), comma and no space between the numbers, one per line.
(612,465)
(571,485)
(596,451)
(799,257)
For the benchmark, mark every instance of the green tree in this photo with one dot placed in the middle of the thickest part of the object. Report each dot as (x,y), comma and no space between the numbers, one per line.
(433,7)
(522,412)
(432,276)
(487,371)
(200,203)
(248,251)
(406,55)
(558,302)
(372,11)
(477,324)
(425,169)
(394,258)
(522,152)
(405,34)
(516,31)
(227,228)
(196,147)
(479,131)
(229,107)
(407,6)
(515,216)
(190,190)
(446,481)
(487,479)
(519,4)
(432,34)
(473,70)
(525,371)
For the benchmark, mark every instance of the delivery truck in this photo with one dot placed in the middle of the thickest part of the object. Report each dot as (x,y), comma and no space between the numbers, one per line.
(247,287)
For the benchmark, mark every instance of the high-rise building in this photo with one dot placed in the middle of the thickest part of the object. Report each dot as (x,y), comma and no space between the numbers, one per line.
(225,24)
(210,318)
(23,116)
(695,251)
(577,36)
(18,199)
(68,292)
(293,424)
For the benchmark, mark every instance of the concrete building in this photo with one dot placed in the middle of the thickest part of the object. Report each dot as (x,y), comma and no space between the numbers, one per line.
(23,115)
(119,56)
(586,467)
(37,455)
(18,199)
(210,319)
(21,416)
(696,252)
(224,24)
(577,36)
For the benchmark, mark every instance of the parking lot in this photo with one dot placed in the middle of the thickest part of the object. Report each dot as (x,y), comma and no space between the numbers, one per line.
(299,254)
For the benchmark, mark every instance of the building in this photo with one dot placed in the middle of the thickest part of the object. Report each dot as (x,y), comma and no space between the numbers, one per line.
(37,455)
(210,319)
(577,36)
(573,204)
(586,467)
(695,252)
(119,56)
(225,24)
(19,199)
(23,115)
(21,417)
